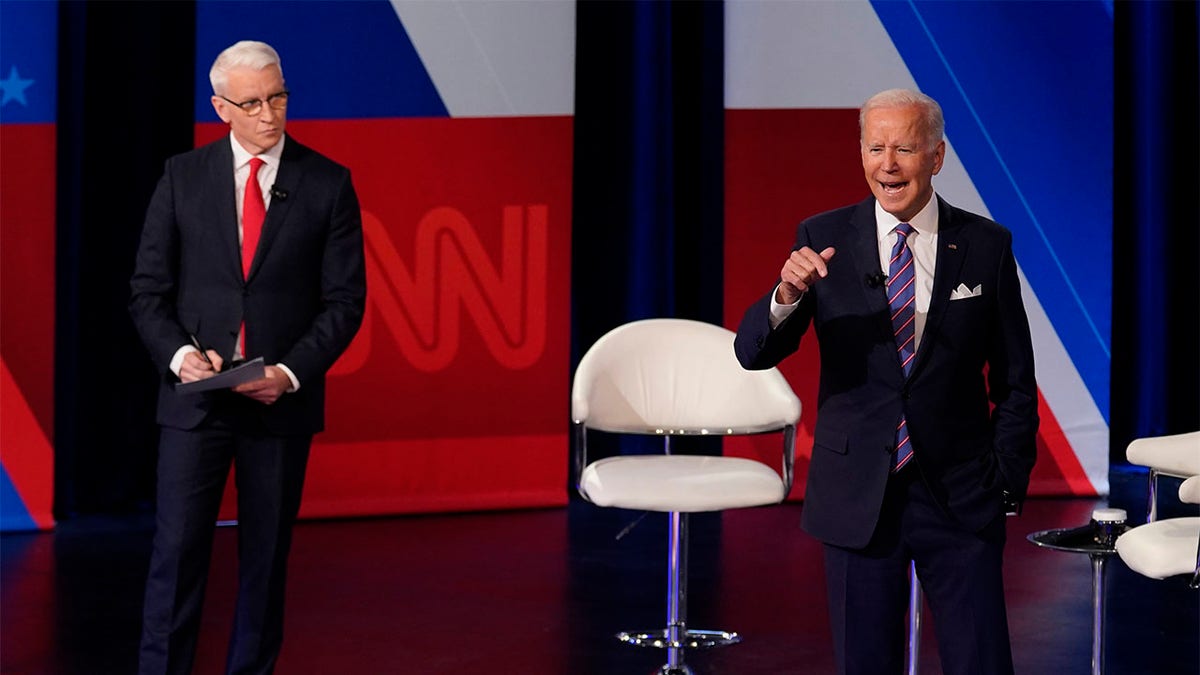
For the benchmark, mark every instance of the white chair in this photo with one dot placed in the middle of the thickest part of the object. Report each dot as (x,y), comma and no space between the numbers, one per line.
(1170,547)
(677,377)
(1177,455)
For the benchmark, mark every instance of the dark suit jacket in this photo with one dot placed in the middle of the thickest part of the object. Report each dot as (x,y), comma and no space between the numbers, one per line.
(305,295)
(975,349)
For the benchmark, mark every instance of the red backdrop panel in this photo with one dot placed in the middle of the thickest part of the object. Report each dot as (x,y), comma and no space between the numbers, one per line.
(782,166)
(454,394)
(27,225)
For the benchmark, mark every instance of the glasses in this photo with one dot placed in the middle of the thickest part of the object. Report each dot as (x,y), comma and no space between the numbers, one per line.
(254,106)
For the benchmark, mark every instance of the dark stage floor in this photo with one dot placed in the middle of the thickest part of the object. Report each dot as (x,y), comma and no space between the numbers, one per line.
(542,592)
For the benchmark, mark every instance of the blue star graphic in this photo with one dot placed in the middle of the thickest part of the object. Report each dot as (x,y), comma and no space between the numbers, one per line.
(14,88)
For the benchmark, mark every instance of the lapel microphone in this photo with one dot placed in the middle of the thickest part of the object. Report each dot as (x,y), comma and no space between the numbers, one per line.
(278,193)
(876,280)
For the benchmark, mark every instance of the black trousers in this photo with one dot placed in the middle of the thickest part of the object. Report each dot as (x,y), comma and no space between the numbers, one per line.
(960,574)
(192,469)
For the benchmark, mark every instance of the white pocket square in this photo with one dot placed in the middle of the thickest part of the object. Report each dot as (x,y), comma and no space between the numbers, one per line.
(962,292)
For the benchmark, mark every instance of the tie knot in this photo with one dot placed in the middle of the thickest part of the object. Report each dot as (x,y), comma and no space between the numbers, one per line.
(255,163)
(904,229)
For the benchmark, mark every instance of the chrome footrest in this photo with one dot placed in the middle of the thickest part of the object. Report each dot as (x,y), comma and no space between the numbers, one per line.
(692,639)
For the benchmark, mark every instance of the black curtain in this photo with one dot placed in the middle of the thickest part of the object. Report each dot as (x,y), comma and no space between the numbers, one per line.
(125,100)
(647,192)
(648,205)
(1156,232)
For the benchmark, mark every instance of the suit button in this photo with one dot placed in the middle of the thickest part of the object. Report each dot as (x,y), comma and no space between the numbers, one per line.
(904,396)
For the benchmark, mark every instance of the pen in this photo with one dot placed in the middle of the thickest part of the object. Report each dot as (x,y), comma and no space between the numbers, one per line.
(203,354)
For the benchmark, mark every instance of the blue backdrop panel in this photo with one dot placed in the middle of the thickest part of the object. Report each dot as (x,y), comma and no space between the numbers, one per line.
(378,72)
(1040,149)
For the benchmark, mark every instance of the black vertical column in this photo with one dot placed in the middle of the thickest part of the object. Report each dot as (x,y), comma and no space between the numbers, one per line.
(698,57)
(648,205)
(125,104)
(1156,235)
(648,179)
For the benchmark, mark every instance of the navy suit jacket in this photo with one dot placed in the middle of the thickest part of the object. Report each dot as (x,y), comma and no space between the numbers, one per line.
(304,297)
(970,400)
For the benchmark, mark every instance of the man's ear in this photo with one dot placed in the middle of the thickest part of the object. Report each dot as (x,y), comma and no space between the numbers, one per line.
(939,156)
(222,107)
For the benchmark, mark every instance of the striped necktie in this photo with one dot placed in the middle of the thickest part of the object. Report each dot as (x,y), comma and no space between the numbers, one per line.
(902,297)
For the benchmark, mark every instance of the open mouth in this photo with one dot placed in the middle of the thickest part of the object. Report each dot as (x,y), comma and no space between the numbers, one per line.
(893,188)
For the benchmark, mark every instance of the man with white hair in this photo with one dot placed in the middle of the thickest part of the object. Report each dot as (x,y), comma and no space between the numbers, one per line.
(927,409)
(251,247)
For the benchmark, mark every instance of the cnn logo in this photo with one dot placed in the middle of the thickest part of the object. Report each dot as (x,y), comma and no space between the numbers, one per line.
(452,276)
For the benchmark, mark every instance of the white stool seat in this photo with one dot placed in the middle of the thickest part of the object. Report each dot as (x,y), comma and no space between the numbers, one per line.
(1161,549)
(684,483)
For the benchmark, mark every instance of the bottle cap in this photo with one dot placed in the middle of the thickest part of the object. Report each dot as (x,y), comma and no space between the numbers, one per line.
(1109,515)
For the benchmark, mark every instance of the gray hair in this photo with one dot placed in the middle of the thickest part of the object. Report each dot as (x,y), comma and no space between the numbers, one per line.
(931,113)
(244,54)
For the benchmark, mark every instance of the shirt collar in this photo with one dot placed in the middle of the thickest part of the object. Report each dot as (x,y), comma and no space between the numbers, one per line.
(925,222)
(241,157)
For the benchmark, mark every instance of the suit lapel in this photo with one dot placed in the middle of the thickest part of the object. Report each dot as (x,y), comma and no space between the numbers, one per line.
(220,178)
(951,252)
(865,254)
(291,170)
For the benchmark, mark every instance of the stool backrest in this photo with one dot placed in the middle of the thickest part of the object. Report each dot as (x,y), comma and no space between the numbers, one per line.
(676,376)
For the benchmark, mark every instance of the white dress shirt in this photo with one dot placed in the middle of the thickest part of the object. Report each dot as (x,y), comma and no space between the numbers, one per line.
(266,174)
(923,244)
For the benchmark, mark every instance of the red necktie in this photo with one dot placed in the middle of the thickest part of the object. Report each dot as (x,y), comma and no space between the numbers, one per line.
(254,212)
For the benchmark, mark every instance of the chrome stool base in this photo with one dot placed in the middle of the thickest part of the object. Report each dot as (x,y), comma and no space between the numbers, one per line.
(692,639)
